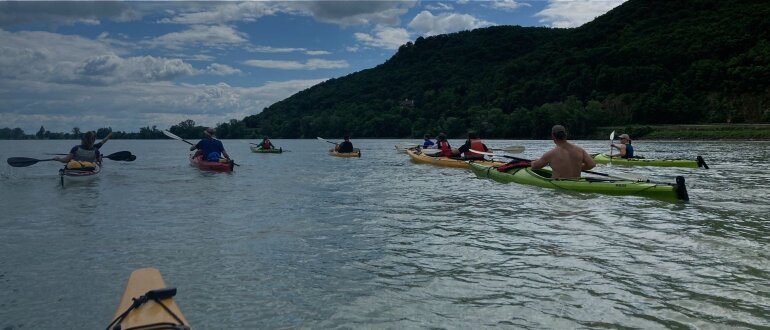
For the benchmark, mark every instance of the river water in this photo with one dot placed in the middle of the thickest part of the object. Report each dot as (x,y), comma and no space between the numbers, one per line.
(305,240)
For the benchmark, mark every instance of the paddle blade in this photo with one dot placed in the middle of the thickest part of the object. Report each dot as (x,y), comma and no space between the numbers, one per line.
(512,149)
(173,136)
(120,155)
(612,136)
(24,161)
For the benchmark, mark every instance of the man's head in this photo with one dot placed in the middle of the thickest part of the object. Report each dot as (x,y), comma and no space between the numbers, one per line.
(625,137)
(559,132)
(209,131)
(346,138)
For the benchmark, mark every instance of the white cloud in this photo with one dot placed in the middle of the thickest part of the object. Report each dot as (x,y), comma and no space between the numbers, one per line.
(222,69)
(428,24)
(347,13)
(311,64)
(384,37)
(64,12)
(200,35)
(129,106)
(566,14)
(223,12)
(267,49)
(316,52)
(438,6)
(506,5)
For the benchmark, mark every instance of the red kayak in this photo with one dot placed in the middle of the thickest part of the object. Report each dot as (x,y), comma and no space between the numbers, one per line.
(197,161)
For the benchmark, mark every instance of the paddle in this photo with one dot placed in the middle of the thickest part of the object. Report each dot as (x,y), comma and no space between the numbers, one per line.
(322,139)
(616,176)
(511,149)
(25,161)
(175,137)
(612,138)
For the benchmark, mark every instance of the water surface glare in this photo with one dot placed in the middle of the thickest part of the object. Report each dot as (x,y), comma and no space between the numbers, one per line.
(306,240)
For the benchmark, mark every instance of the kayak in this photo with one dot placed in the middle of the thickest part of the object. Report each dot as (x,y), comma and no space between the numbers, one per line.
(420,157)
(79,175)
(259,150)
(356,153)
(156,307)
(604,159)
(610,186)
(197,161)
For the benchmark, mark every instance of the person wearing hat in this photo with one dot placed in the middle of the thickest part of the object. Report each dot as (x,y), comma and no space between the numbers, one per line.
(211,148)
(346,146)
(473,143)
(625,149)
(566,159)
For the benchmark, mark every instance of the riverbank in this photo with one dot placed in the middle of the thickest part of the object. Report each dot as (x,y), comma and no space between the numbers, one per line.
(688,132)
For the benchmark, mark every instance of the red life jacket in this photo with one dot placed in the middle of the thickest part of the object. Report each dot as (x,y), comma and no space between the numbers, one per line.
(266,144)
(475,145)
(446,150)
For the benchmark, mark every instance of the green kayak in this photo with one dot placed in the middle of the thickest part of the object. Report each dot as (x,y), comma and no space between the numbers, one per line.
(609,186)
(604,159)
(259,150)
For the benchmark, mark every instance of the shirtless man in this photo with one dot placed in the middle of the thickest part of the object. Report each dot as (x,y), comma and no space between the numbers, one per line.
(566,159)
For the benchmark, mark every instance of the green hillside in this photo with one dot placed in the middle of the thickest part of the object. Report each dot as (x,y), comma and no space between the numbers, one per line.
(644,62)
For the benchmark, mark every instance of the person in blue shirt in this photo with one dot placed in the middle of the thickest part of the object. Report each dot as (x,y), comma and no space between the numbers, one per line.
(211,148)
(625,149)
(87,150)
(427,143)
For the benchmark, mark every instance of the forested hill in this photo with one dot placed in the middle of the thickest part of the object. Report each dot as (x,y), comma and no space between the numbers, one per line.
(644,62)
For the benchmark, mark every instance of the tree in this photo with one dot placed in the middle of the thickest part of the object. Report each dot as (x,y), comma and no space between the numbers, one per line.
(40,133)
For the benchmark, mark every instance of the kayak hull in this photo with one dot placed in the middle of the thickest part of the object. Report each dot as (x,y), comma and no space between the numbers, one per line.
(604,159)
(418,156)
(198,162)
(139,283)
(69,176)
(356,153)
(617,187)
(259,150)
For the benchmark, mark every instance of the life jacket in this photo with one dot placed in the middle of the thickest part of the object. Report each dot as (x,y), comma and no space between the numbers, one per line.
(266,144)
(446,150)
(475,145)
(85,155)
(629,151)
(80,165)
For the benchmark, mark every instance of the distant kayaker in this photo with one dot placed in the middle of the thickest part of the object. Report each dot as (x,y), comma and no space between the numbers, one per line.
(266,144)
(211,148)
(473,142)
(566,159)
(444,147)
(87,151)
(346,146)
(625,149)
(427,143)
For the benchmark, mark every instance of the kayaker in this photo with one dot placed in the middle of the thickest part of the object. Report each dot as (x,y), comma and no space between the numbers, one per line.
(427,143)
(266,144)
(473,142)
(211,148)
(566,159)
(87,151)
(345,147)
(625,149)
(444,147)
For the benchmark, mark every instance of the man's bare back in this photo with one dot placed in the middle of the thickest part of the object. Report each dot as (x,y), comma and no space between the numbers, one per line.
(566,159)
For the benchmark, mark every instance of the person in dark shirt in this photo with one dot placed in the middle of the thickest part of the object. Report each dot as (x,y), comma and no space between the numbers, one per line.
(87,151)
(211,148)
(427,143)
(473,142)
(346,146)
(625,149)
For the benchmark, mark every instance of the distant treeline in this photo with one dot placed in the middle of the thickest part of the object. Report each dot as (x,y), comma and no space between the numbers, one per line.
(186,129)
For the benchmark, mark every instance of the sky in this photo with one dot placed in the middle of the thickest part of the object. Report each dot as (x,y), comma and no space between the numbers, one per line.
(132,64)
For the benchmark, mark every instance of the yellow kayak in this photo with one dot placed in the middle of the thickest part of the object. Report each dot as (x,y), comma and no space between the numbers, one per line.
(156,307)
(420,157)
(356,153)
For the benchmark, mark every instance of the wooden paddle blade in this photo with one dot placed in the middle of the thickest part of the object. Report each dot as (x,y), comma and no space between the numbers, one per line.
(24,161)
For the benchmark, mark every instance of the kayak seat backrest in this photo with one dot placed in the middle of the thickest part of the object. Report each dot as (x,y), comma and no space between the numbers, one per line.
(512,165)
